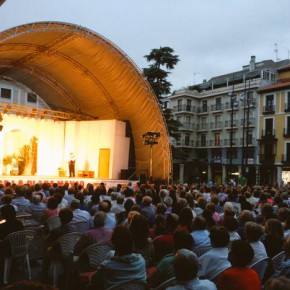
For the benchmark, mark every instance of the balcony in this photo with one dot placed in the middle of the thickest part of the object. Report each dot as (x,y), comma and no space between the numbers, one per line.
(267,158)
(215,143)
(228,106)
(268,134)
(183,143)
(228,123)
(217,107)
(227,142)
(287,107)
(184,108)
(216,125)
(187,126)
(285,159)
(201,144)
(251,142)
(202,110)
(286,133)
(251,123)
(269,109)
(200,127)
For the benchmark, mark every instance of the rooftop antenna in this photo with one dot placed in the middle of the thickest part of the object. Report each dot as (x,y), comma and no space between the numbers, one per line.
(276,52)
(194,74)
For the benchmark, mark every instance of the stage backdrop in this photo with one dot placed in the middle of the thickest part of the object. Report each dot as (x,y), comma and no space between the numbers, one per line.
(33,146)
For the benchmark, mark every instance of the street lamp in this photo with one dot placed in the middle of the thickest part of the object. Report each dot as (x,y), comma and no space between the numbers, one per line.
(151,139)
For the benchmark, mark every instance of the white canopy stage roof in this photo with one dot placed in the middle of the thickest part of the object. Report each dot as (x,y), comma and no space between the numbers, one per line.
(76,70)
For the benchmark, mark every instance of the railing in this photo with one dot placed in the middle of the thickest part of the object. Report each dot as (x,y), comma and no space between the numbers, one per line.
(251,142)
(285,158)
(217,107)
(228,123)
(228,106)
(270,109)
(216,125)
(268,133)
(287,107)
(215,143)
(267,158)
(252,122)
(202,126)
(184,108)
(203,143)
(227,142)
(183,143)
(286,132)
(187,126)
(202,109)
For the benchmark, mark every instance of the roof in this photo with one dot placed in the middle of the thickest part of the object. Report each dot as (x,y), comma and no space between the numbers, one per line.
(280,85)
(75,69)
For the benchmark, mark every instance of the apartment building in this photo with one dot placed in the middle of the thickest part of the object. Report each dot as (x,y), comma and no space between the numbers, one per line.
(274,135)
(220,125)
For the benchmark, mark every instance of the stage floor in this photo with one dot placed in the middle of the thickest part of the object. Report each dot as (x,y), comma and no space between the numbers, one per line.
(21,179)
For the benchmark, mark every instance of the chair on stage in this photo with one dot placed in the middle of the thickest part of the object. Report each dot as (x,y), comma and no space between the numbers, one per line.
(130,285)
(82,227)
(53,222)
(67,243)
(19,242)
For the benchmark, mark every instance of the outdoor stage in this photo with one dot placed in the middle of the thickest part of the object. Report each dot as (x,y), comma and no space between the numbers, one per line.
(20,180)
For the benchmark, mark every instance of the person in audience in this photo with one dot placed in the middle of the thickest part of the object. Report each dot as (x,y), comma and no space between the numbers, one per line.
(19,200)
(78,214)
(139,228)
(148,209)
(186,268)
(279,283)
(9,222)
(240,276)
(36,205)
(53,250)
(273,241)
(119,206)
(284,269)
(287,227)
(199,233)
(185,219)
(124,265)
(182,240)
(51,210)
(105,206)
(245,216)
(232,225)
(253,234)
(28,285)
(164,245)
(215,260)
(7,199)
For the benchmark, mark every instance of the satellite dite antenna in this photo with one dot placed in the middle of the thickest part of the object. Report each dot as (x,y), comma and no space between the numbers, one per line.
(276,51)
(288,52)
(194,74)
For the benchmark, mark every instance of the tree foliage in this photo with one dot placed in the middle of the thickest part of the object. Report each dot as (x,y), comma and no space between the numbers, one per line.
(162,61)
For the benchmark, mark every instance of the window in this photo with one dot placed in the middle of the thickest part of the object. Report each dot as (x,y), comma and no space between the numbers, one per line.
(218,103)
(31,98)
(5,93)
(179,104)
(165,105)
(217,139)
(269,76)
(203,139)
(188,105)
(204,106)
(186,139)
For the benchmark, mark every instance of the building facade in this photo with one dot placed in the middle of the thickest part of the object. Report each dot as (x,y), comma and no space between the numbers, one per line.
(220,133)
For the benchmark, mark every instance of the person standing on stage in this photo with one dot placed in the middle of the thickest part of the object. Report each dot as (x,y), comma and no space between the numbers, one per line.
(71,165)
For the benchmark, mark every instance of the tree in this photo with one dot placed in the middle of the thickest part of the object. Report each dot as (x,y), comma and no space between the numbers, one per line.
(156,75)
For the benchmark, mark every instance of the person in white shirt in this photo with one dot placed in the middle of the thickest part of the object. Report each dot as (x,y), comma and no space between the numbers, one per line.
(215,260)
(78,214)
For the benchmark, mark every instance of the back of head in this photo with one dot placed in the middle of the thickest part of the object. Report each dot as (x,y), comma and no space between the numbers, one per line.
(75,204)
(182,239)
(36,199)
(8,212)
(65,215)
(253,231)
(139,228)
(274,228)
(186,265)
(171,222)
(278,283)
(241,253)
(219,237)
(199,223)
(99,219)
(122,240)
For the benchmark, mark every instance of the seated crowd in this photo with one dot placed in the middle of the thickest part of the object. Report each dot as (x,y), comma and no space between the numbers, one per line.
(206,237)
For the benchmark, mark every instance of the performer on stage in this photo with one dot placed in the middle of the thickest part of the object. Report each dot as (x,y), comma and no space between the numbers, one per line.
(71,165)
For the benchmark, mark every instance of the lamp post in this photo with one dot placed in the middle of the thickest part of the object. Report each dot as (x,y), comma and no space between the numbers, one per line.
(151,139)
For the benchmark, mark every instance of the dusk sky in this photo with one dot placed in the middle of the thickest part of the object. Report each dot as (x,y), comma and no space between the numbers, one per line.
(211,37)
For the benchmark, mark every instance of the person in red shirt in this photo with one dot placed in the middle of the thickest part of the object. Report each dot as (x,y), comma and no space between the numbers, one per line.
(239,276)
